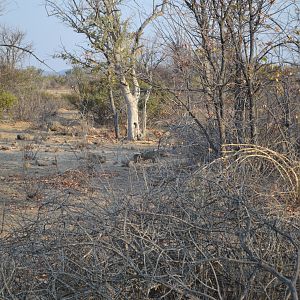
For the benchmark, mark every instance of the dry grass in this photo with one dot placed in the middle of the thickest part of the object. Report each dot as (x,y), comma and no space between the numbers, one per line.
(59,92)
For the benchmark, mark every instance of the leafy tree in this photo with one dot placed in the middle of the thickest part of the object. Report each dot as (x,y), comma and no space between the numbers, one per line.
(7,100)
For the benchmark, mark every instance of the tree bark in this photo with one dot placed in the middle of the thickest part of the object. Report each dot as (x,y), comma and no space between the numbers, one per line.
(115,113)
(239,106)
(133,128)
(144,115)
(113,106)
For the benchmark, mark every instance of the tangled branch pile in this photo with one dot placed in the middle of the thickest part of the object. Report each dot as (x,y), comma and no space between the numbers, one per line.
(229,230)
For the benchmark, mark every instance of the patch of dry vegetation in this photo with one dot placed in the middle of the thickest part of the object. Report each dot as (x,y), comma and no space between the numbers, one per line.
(225,230)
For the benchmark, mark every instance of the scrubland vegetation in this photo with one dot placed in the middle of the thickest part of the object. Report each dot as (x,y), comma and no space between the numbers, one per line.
(198,196)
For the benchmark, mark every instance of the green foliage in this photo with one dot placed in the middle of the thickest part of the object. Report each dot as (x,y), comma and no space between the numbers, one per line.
(33,92)
(7,100)
(157,106)
(91,94)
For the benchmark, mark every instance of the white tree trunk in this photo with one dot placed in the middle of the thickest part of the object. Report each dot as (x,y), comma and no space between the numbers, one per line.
(133,127)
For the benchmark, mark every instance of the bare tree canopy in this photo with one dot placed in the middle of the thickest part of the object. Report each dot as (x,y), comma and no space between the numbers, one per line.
(109,35)
(12,51)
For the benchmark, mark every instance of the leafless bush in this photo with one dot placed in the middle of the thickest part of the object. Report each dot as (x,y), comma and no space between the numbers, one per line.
(189,141)
(220,232)
(44,106)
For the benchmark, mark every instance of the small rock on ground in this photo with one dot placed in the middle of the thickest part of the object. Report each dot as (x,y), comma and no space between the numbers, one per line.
(5,148)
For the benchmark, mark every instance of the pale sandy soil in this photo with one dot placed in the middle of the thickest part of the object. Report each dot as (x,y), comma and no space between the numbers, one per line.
(52,164)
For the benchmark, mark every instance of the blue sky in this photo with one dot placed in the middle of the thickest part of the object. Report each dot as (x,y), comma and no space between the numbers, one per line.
(46,33)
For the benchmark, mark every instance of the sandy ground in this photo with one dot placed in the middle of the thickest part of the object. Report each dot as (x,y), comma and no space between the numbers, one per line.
(63,162)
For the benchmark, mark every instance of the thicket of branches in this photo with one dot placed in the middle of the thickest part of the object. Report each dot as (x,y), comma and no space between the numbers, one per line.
(228,230)
(221,222)
(235,69)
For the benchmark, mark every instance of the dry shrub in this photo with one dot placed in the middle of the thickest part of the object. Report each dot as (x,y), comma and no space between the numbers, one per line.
(220,232)
(190,141)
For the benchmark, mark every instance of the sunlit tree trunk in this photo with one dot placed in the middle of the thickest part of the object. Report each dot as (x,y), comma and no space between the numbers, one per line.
(131,100)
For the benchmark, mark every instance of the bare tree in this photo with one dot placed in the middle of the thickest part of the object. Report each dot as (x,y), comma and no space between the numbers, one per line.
(13,48)
(228,47)
(110,36)
(149,61)
(12,55)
